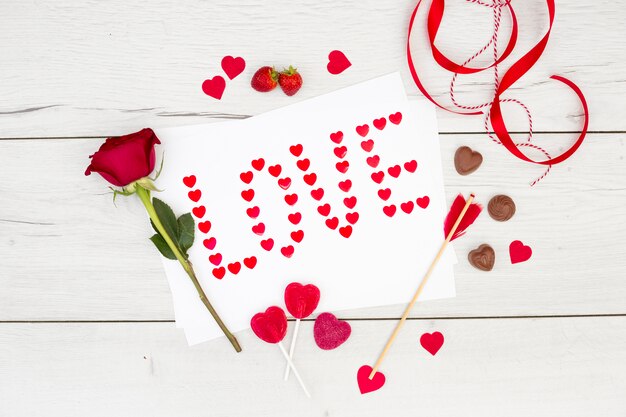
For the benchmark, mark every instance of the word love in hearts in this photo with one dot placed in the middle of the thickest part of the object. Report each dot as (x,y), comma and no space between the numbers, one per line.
(330,211)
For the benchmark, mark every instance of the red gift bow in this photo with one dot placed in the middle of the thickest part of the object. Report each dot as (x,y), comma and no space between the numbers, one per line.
(517,70)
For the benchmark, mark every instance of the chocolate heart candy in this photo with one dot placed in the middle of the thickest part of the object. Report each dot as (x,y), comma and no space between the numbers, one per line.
(466,160)
(482,257)
(501,208)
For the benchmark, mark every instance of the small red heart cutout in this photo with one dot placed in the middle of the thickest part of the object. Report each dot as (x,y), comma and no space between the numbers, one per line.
(194,195)
(234,268)
(345,185)
(377,177)
(317,194)
(423,202)
(295,218)
(287,251)
(214,87)
(284,183)
(384,194)
(340,151)
(253,212)
(291,199)
(209,243)
(395,118)
(233,66)
(373,161)
(336,137)
(380,123)
(258,229)
(350,202)
(519,252)
(342,166)
(310,178)
(345,231)
(332,223)
(219,272)
(204,227)
(199,211)
(215,259)
(367,145)
(189,181)
(247,195)
(410,166)
(246,177)
(329,332)
(324,209)
(303,164)
(352,218)
(271,325)
(301,300)
(267,244)
(365,383)
(363,130)
(389,210)
(394,171)
(432,342)
(275,170)
(258,164)
(407,207)
(250,262)
(337,62)
(296,150)
(297,236)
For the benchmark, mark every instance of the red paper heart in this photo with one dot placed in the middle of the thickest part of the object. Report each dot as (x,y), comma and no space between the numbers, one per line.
(519,252)
(332,223)
(317,194)
(345,231)
(296,150)
(219,272)
(275,170)
(389,210)
(367,145)
(233,66)
(247,195)
(340,151)
(204,227)
(287,251)
(209,243)
(394,171)
(310,178)
(214,87)
(199,211)
(377,177)
(246,176)
(303,164)
(407,207)
(384,194)
(380,123)
(291,199)
(194,195)
(250,262)
(234,268)
(297,236)
(363,130)
(295,218)
(342,166)
(253,212)
(373,161)
(189,181)
(301,300)
(350,202)
(423,202)
(336,137)
(352,218)
(329,332)
(345,185)
(270,326)
(324,209)
(337,62)
(215,259)
(258,229)
(258,164)
(284,183)
(395,118)
(365,383)
(267,244)
(432,342)
(410,166)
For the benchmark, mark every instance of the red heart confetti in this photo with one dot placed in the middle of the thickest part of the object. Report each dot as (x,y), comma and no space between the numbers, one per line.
(303,164)
(275,170)
(295,218)
(329,332)
(258,229)
(253,212)
(194,195)
(296,150)
(204,227)
(345,185)
(336,137)
(407,207)
(432,342)
(337,62)
(214,87)
(352,218)
(215,259)
(395,118)
(389,210)
(219,272)
(233,66)
(363,130)
(287,251)
(271,325)
(340,151)
(247,195)
(284,183)
(373,161)
(297,236)
(423,202)
(342,166)
(189,181)
(199,211)
(377,177)
(394,171)
(345,231)
(384,194)
(258,164)
(291,199)
(310,178)
(410,166)
(519,252)
(209,243)
(350,202)
(380,123)
(367,145)
(324,209)
(246,176)
(301,300)
(234,268)
(332,223)
(317,194)
(267,244)
(250,262)
(365,383)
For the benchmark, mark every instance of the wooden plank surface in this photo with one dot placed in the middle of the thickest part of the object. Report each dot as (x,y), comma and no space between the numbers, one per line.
(515,367)
(85,68)
(74,256)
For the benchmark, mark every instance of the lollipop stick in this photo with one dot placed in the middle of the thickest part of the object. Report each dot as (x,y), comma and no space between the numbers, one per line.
(295,371)
(292,347)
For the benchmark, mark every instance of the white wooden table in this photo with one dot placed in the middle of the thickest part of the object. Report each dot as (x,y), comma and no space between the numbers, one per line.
(86,319)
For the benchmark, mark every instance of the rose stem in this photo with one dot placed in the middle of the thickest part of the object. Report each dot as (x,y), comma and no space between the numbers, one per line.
(144,196)
(295,371)
(292,348)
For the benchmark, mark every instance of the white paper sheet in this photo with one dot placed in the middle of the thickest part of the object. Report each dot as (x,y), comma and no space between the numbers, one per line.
(381,262)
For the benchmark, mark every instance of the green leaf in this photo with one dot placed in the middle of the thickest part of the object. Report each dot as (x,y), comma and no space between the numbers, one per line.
(165,250)
(167,217)
(186,232)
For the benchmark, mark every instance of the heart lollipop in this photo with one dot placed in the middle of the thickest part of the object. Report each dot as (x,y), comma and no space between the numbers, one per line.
(301,301)
(271,327)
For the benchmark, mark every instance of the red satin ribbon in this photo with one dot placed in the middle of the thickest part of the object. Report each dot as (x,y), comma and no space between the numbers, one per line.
(517,70)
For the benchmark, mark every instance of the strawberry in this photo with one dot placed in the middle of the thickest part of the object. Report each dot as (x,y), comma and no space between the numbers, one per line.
(265,79)
(290,81)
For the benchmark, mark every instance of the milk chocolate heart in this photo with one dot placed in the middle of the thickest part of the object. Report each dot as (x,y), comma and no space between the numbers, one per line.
(482,257)
(466,160)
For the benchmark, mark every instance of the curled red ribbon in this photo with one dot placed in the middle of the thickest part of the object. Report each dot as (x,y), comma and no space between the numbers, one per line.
(515,72)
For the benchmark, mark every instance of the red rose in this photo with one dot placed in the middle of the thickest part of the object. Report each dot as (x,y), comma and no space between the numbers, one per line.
(125,159)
